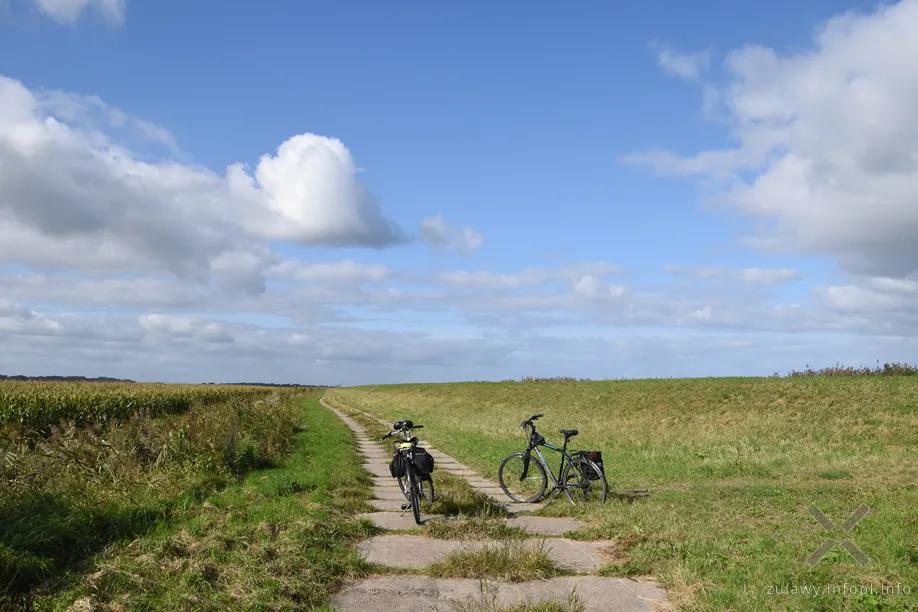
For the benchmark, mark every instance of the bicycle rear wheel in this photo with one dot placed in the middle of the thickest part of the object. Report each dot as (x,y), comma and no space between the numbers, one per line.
(415,496)
(425,488)
(585,482)
(528,489)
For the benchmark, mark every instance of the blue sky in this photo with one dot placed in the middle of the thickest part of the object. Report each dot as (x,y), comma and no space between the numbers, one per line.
(539,129)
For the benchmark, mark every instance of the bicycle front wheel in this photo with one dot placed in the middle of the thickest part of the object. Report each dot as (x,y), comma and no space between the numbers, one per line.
(530,488)
(585,482)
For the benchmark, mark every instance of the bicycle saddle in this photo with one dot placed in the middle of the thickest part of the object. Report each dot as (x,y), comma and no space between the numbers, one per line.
(568,433)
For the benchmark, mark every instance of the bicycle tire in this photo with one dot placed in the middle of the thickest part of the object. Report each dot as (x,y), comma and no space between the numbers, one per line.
(583,466)
(429,496)
(533,464)
(415,499)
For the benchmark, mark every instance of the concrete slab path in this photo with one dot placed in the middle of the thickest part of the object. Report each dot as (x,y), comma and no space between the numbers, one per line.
(411,551)
(423,594)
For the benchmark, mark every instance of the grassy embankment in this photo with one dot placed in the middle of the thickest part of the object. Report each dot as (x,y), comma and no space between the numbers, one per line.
(223,498)
(731,466)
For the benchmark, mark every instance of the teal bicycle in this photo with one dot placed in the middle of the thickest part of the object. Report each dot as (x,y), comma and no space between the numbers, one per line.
(581,475)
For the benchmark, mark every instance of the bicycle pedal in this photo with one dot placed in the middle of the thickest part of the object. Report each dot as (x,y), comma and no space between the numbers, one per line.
(405,507)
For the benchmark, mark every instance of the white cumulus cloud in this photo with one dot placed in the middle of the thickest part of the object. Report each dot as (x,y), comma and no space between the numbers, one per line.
(831,137)
(68,11)
(436,232)
(71,198)
(689,66)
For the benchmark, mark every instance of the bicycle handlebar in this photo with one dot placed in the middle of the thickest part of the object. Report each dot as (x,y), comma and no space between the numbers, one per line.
(530,420)
(402,430)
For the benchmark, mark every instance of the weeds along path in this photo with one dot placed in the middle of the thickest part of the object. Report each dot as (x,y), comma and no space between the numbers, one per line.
(474,550)
(282,537)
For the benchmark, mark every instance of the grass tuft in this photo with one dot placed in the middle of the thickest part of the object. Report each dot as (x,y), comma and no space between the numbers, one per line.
(487,601)
(455,497)
(465,527)
(510,561)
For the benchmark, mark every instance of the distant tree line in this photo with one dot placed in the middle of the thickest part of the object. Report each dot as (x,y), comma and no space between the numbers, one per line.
(107,379)
(260,384)
(887,369)
(20,377)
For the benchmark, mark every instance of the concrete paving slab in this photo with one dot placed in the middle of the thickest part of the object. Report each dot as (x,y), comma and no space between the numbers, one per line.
(496,492)
(457,472)
(396,521)
(514,507)
(390,550)
(576,555)
(544,525)
(410,551)
(421,594)
(389,493)
(378,469)
(388,505)
(485,484)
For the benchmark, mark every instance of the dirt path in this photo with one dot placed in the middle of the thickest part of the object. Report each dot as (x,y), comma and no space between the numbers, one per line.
(415,552)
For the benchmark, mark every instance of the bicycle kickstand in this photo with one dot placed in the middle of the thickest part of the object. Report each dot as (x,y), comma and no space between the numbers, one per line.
(554,493)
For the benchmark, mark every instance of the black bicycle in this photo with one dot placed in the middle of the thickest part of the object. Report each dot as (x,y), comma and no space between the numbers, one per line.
(525,480)
(412,467)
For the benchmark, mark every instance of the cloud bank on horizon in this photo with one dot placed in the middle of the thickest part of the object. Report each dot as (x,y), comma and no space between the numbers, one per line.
(120,262)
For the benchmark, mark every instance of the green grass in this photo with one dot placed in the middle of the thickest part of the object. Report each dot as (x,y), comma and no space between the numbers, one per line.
(70,494)
(280,539)
(508,561)
(731,466)
(455,496)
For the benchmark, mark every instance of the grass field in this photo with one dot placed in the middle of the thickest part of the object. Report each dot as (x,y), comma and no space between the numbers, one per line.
(34,406)
(731,466)
(174,497)
(281,539)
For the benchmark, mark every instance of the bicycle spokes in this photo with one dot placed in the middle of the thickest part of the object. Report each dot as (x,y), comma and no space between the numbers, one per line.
(523,481)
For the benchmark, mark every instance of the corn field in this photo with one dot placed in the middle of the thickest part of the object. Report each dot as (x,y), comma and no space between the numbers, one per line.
(38,405)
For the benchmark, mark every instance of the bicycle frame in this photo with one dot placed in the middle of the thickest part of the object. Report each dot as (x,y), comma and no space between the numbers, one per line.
(557,487)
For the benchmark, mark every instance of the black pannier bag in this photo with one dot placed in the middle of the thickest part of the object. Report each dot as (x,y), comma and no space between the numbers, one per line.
(397,466)
(423,461)
(595,457)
